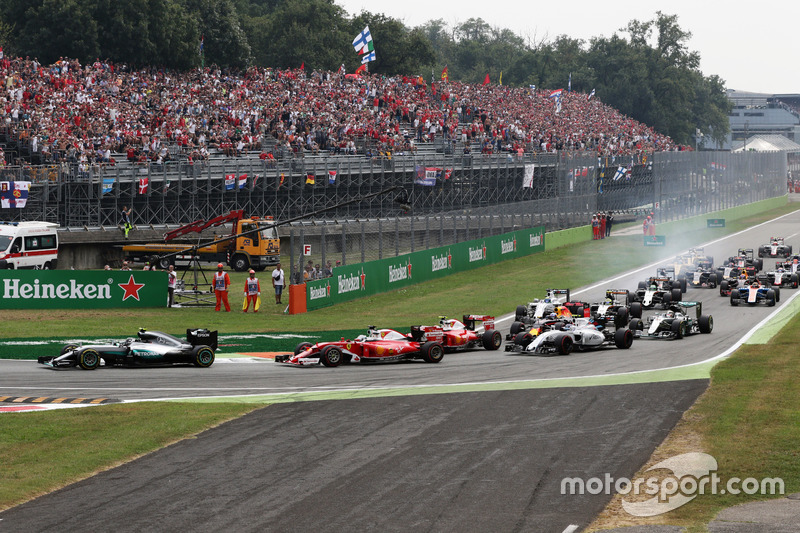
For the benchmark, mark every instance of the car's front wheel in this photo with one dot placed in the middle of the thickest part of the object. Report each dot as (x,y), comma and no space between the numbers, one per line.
(88,359)
(331,356)
(623,338)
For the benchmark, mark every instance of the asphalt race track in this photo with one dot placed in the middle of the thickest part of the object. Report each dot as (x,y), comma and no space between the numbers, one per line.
(462,461)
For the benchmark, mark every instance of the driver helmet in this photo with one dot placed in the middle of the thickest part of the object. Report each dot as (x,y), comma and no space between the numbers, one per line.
(609,301)
(552,316)
(547,300)
(670,314)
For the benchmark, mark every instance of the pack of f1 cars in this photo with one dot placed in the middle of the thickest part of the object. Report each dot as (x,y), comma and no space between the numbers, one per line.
(729,279)
(658,291)
(150,349)
(377,346)
(461,335)
(539,308)
(776,248)
(754,294)
(581,334)
(617,306)
(679,320)
(691,260)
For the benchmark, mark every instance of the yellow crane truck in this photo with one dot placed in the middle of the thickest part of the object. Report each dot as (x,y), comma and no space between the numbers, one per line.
(243,249)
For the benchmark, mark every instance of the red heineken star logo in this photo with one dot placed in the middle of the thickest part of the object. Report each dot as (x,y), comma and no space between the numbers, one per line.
(409,269)
(131,289)
(363,280)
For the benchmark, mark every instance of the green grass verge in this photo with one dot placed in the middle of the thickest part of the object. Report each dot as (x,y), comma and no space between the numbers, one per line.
(45,450)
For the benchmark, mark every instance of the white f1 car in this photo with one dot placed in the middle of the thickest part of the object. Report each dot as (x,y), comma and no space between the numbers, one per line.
(582,334)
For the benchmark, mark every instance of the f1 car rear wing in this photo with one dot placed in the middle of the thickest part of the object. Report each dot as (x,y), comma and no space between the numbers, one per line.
(202,337)
(471,320)
(558,295)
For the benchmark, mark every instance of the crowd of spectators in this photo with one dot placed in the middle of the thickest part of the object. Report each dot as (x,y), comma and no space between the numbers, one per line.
(89,114)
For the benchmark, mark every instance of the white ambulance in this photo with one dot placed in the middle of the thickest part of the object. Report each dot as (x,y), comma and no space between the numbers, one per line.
(32,245)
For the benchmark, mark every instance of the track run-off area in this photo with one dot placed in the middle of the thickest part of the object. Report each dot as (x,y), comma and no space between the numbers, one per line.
(479,442)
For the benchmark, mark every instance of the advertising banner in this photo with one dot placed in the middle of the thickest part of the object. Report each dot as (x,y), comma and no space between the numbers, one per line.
(715,222)
(356,281)
(76,289)
(655,240)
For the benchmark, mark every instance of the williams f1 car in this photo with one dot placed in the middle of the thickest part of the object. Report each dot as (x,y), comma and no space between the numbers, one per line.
(674,323)
(582,334)
(377,346)
(151,348)
(776,248)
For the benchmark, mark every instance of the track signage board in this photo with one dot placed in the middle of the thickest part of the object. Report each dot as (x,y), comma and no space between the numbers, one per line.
(715,222)
(76,289)
(655,240)
(365,279)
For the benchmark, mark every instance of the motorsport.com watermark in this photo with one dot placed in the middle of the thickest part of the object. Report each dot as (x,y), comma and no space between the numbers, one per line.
(692,474)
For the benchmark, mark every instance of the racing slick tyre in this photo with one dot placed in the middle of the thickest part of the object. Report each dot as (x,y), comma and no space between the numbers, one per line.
(706,323)
(683,283)
(68,348)
(734,298)
(667,298)
(202,356)
(564,344)
(678,328)
(516,327)
(761,251)
(302,347)
(621,318)
(240,263)
(623,338)
(723,288)
(719,278)
(432,352)
(677,295)
(777,293)
(521,312)
(331,356)
(492,339)
(771,298)
(759,264)
(523,339)
(636,309)
(636,325)
(642,286)
(88,359)
(794,281)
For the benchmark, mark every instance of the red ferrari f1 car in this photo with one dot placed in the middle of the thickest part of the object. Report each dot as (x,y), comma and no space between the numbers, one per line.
(377,346)
(461,335)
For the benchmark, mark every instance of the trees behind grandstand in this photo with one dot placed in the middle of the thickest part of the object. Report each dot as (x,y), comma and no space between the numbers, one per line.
(645,70)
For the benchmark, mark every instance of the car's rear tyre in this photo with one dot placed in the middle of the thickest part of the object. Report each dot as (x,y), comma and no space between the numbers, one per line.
(759,264)
(302,347)
(636,309)
(794,281)
(492,339)
(432,352)
(667,298)
(706,323)
(683,283)
(677,295)
(331,356)
(621,318)
(521,312)
(636,325)
(88,359)
(642,285)
(202,356)
(564,344)
(723,288)
(777,293)
(516,327)
(623,338)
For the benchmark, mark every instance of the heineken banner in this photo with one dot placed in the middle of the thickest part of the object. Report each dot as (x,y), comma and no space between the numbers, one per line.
(75,289)
(356,281)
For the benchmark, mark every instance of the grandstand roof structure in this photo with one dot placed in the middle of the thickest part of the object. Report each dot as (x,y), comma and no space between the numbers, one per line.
(767,143)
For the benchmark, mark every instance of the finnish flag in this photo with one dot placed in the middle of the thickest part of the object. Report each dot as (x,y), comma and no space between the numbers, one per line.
(367,58)
(363,42)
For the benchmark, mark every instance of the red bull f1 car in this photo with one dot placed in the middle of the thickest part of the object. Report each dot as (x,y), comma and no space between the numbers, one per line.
(377,346)
(151,348)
